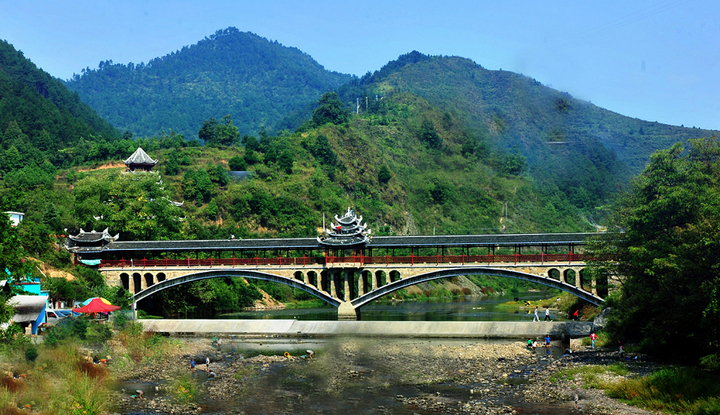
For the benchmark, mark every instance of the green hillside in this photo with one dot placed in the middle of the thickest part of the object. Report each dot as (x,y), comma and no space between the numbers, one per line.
(39,117)
(515,111)
(255,81)
(387,167)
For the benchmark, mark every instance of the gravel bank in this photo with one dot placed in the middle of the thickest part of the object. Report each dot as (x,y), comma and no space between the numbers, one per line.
(383,377)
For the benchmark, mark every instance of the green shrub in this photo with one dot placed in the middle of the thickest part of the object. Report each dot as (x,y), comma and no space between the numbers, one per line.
(66,328)
(31,353)
(711,362)
(120,320)
(98,333)
(184,389)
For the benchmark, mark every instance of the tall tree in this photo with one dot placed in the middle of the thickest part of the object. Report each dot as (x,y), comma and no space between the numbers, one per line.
(665,252)
(330,110)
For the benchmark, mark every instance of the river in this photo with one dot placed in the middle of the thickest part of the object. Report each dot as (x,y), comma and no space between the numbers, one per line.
(367,376)
(456,309)
(370,376)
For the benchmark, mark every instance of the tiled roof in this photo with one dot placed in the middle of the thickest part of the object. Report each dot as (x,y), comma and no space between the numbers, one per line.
(139,157)
(497,240)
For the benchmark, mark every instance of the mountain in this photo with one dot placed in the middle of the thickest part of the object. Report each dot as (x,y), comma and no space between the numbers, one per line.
(39,116)
(571,146)
(256,81)
(515,111)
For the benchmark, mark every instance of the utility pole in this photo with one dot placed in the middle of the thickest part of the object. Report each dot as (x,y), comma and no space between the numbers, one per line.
(357,105)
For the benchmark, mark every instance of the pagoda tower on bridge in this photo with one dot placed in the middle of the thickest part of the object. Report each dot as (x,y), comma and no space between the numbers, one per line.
(347,231)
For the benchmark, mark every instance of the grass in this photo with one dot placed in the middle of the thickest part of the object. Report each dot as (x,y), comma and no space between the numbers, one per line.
(680,390)
(62,380)
(685,390)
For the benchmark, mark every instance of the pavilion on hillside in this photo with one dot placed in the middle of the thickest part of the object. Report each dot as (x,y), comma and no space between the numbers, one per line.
(139,160)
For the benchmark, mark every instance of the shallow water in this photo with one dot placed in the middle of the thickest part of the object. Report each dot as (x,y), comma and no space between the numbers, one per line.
(284,389)
(456,309)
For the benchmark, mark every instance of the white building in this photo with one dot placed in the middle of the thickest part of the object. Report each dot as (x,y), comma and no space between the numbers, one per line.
(15,218)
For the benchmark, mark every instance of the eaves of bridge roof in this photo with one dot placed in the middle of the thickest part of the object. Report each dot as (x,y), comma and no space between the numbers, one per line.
(529,239)
(538,239)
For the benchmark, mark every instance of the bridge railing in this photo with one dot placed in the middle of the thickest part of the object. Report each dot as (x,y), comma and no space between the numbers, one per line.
(359,259)
(210,262)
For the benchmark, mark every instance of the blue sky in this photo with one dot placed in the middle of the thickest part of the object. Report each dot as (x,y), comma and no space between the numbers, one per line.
(654,60)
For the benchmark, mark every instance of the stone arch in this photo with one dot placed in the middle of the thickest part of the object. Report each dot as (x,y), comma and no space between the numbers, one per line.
(298,275)
(338,279)
(366,281)
(394,276)
(311,278)
(380,279)
(554,273)
(586,282)
(148,279)
(570,277)
(499,272)
(137,282)
(125,281)
(324,281)
(218,273)
(160,276)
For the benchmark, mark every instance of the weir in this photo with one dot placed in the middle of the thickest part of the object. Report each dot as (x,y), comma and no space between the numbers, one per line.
(417,329)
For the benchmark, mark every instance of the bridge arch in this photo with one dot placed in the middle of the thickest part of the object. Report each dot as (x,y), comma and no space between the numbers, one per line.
(161,285)
(446,273)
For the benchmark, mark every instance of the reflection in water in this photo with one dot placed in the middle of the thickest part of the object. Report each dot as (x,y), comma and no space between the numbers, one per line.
(457,309)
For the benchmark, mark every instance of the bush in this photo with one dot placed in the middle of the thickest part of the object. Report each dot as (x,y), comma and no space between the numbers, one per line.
(31,353)
(66,328)
(98,333)
(184,389)
(120,320)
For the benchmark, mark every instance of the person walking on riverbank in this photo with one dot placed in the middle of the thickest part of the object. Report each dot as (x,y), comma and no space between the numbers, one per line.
(547,314)
(207,363)
(536,318)
(593,337)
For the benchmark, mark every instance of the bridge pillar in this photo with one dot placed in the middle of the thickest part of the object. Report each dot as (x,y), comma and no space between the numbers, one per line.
(348,273)
(333,289)
(347,311)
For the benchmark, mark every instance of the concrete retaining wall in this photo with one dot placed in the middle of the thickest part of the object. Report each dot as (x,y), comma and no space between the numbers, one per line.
(294,328)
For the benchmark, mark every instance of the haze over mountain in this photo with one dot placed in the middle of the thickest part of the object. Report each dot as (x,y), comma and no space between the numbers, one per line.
(256,81)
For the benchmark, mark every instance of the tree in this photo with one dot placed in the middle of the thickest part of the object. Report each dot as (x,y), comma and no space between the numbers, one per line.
(137,205)
(384,174)
(323,152)
(666,255)
(227,133)
(330,110)
(428,135)
(237,163)
(250,143)
(209,131)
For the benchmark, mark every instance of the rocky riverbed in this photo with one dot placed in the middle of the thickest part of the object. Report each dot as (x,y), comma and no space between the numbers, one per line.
(369,376)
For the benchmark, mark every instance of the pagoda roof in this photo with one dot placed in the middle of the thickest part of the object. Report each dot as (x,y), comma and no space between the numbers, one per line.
(94,236)
(140,157)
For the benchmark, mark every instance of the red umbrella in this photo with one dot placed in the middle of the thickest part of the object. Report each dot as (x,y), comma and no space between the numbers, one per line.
(97,305)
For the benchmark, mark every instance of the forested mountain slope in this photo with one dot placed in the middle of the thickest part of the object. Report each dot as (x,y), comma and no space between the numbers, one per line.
(255,81)
(39,116)
(515,111)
